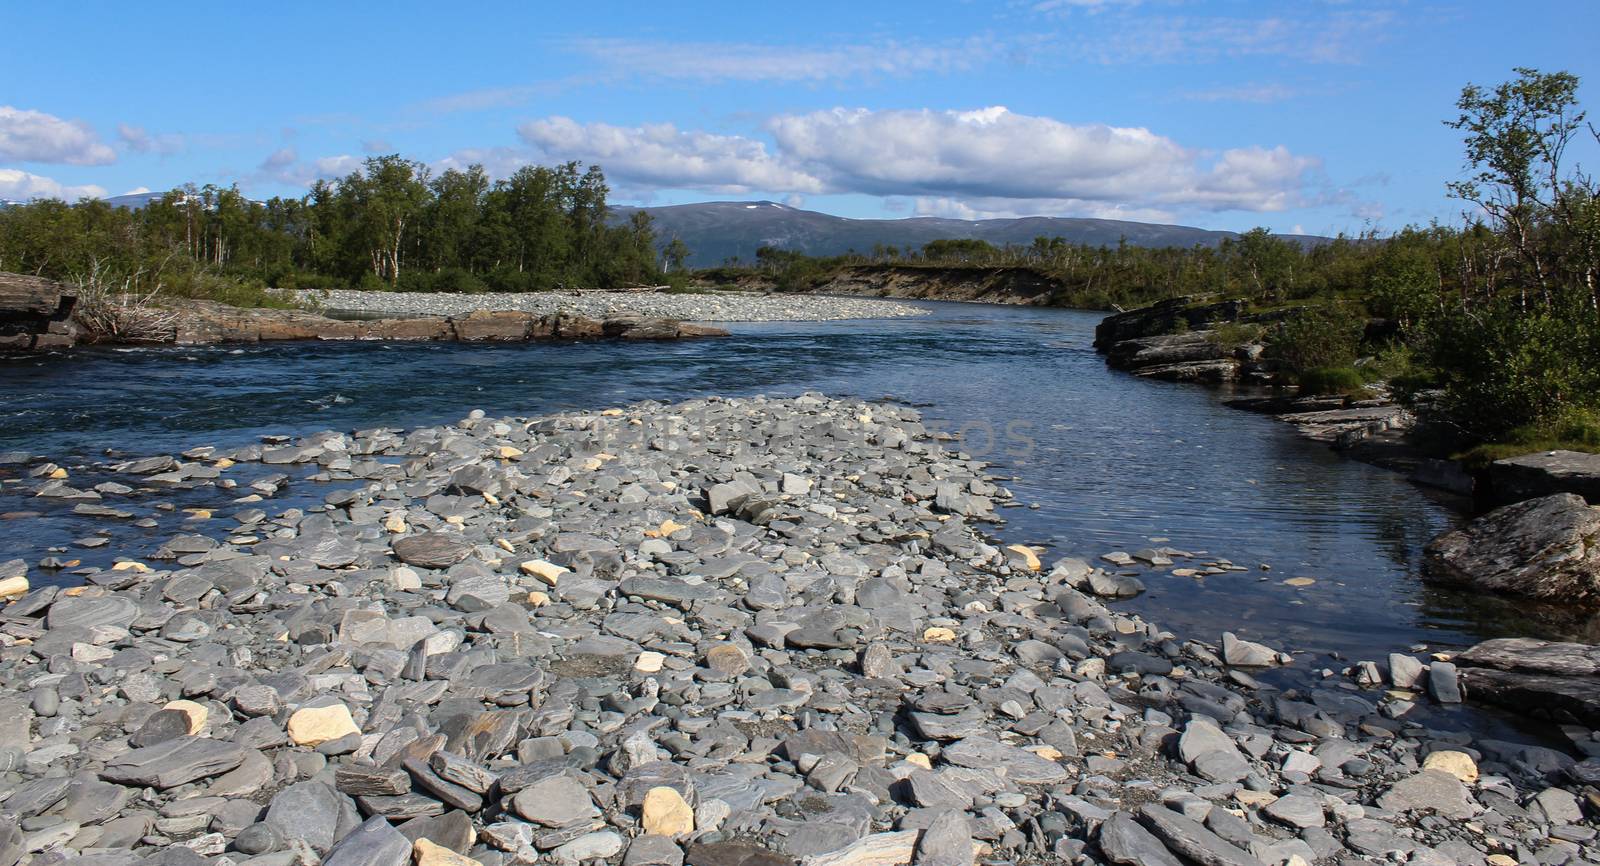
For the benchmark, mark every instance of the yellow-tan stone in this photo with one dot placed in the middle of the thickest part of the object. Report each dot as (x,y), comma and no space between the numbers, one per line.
(313,726)
(425,852)
(544,570)
(1458,764)
(1029,558)
(666,813)
(12,587)
(938,634)
(196,712)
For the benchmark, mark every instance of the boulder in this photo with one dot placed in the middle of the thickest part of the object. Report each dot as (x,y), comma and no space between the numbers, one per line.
(1546,548)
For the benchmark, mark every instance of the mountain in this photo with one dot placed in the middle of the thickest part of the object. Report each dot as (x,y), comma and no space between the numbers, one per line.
(718,230)
(134,200)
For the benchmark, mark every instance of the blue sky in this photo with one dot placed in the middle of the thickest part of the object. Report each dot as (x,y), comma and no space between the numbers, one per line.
(1316,116)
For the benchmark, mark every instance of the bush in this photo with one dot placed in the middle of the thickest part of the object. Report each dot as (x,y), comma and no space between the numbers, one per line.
(1236,334)
(509,279)
(451,280)
(1333,380)
(1504,369)
(678,284)
(1319,337)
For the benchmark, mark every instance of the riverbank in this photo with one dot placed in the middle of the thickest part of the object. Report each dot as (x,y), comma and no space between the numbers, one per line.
(689,307)
(654,632)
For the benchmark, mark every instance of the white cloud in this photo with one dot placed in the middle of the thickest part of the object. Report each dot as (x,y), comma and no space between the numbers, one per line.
(993,153)
(33,136)
(744,61)
(1339,36)
(664,156)
(17,185)
(989,161)
(137,139)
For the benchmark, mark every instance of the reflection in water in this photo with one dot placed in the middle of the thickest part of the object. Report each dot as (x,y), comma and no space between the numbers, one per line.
(1115,461)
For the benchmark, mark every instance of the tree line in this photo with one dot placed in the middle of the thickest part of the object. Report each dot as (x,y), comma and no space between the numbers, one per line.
(393,224)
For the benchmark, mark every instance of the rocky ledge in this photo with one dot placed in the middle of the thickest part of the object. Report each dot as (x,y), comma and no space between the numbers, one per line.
(1180,340)
(753,632)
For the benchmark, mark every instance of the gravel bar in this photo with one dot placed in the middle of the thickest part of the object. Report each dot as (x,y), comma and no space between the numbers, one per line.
(713,307)
(757,631)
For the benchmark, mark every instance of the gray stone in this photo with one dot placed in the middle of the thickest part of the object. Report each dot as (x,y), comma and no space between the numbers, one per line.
(1404,670)
(310,811)
(1296,810)
(1246,653)
(1191,839)
(653,850)
(1125,842)
(86,611)
(174,762)
(947,841)
(1430,790)
(373,843)
(432,549)
(554,802)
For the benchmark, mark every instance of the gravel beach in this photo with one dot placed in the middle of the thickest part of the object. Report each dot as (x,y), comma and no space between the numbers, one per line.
(715,307)
(729,631)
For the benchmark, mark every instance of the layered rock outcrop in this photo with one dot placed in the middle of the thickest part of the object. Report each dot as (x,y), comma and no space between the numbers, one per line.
(35,313)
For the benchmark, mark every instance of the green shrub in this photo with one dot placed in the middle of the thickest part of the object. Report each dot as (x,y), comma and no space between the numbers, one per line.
(451,280)
(1504,369)
(1319,337)
(1236,333)
(1333,380)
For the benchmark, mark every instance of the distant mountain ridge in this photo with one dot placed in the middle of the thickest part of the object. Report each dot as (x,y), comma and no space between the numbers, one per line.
(720,230)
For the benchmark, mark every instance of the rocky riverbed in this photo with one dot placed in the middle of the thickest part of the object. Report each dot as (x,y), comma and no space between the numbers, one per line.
(709,307)
(749,631)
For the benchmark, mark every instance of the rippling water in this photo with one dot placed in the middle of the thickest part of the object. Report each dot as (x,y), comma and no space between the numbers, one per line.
(1115,462)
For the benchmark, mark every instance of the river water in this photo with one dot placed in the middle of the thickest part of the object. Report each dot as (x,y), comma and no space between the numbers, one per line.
(1112,461)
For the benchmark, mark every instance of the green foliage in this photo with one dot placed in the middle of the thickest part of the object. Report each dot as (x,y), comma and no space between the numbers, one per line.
(1237,333)
(1333,380)
(1320,337)
(1571,430)
(1504,367)
(390,225)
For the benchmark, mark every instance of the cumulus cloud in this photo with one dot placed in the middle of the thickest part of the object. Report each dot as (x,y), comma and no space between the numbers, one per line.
(18,185)
(33,136)
(989,161)
(744,61)
(994,153)
(664,156)
(139,140)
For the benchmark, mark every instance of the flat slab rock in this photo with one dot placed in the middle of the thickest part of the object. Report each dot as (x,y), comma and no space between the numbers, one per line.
(1542,473)
(174,762)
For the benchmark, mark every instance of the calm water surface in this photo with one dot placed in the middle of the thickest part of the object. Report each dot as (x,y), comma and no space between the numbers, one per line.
(1115,462)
